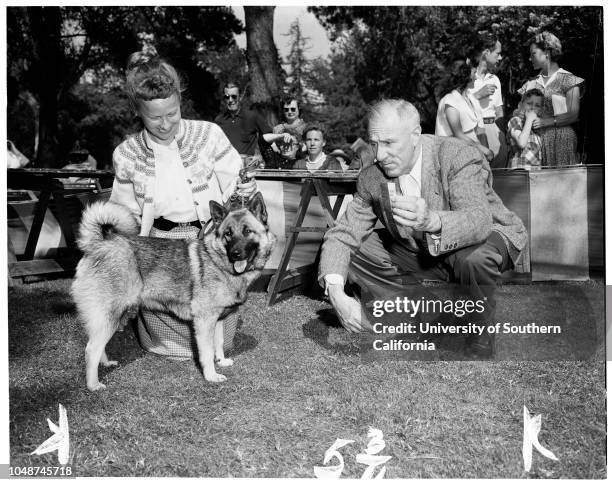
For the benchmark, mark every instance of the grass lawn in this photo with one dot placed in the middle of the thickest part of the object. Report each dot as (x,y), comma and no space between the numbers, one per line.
(299,382)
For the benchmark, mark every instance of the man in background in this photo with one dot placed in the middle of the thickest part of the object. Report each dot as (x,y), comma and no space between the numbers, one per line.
(241,125)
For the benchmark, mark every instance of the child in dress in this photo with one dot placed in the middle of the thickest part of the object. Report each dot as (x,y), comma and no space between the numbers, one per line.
(526,143)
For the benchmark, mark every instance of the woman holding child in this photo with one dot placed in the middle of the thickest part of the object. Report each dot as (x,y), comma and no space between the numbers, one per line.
(561,106)
(167,174)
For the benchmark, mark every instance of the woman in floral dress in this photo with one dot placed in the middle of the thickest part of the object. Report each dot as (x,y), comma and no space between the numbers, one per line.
(562,91)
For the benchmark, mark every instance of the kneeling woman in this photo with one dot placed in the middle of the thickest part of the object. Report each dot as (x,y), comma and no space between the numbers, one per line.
(167,174)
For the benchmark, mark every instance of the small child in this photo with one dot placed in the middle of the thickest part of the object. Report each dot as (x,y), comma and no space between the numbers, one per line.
(526,144)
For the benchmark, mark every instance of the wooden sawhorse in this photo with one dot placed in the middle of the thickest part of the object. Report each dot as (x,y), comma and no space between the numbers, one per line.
(323,185)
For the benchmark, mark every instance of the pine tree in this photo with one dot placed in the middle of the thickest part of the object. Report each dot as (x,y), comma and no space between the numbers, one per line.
(297,62)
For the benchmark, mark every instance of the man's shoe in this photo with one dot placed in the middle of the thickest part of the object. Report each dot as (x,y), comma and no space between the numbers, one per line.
(480,346)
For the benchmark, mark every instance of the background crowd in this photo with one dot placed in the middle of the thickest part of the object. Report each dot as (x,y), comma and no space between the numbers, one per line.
(540,131)
(81,52)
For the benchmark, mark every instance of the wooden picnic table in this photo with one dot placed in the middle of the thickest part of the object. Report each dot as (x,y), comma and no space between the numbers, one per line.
(47,182)
(537,195)
(323,185)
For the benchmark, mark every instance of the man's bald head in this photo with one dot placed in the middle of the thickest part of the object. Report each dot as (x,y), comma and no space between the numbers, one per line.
(394,129)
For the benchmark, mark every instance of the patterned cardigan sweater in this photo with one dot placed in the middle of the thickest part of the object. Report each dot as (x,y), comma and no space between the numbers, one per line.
(211,169)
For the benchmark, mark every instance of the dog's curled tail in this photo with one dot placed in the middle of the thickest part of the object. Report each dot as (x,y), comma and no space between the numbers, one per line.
(101,220)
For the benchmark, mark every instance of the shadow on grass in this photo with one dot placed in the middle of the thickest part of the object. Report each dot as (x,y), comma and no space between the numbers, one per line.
(69,376)
(318,330)
(38,400)
(243,343)
(64,307)
(123,346)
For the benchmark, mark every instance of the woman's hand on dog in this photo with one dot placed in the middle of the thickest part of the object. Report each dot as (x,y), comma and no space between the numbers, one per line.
(247,189)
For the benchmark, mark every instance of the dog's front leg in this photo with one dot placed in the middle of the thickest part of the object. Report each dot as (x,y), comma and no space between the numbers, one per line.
(219,354)
(205,335)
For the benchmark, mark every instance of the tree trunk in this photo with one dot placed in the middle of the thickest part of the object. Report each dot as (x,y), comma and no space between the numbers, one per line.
(45,25)
(263,61)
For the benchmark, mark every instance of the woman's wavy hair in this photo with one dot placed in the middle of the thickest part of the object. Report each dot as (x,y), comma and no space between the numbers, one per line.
(485,42)
(148,77)
(549,43)
(459,75)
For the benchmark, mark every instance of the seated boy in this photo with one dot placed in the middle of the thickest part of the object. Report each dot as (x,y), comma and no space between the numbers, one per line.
(526,144)
(316,159)
(288,151)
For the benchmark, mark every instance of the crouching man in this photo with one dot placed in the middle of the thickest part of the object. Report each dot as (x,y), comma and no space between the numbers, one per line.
(441,218)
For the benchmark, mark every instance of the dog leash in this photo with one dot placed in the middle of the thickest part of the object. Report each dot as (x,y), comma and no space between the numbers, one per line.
(207,228)
(252,164)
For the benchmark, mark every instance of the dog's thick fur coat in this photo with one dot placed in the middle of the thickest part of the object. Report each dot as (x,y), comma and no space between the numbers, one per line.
(198,280)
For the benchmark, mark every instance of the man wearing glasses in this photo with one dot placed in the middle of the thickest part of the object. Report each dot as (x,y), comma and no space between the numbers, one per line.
(293,123)
(242,126)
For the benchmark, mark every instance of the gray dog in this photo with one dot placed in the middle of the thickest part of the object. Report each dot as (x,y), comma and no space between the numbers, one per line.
(198,280)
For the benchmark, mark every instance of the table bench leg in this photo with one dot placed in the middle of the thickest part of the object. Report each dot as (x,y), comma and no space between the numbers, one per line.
(337,205)
(276,280)
(324,199)
(62,218)
(37,222)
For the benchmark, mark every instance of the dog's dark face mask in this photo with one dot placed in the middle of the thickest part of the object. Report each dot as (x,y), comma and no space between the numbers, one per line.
(241,231)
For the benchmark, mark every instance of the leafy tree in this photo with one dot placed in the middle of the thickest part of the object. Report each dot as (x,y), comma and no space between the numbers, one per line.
(180,34)
(226,65)
(297,62)
(342,111)
(404,51)
(54,47)
(326,90)
(97,119)
(40,66)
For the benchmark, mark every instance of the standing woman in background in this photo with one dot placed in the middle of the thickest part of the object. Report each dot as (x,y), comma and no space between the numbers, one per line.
(562,92)
(457,114)
(166,175)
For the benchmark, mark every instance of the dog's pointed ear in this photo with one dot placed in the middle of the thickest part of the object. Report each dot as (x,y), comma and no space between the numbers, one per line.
(257,207)
(217,212)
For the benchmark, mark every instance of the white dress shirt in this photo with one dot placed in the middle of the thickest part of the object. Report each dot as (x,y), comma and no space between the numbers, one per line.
(173,198)
(488,104)
(468,115)
(410,185)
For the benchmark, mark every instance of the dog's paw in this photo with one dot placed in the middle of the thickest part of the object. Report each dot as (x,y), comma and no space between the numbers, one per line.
(215,378)
(98,386)
(225,362)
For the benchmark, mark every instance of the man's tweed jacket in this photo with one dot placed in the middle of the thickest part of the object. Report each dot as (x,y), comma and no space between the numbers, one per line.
(456,182)
(211,166)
